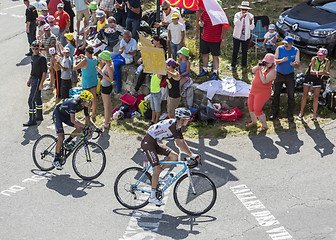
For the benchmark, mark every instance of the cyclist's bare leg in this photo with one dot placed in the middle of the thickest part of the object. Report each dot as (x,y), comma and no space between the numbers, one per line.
(172,157)
(60,137)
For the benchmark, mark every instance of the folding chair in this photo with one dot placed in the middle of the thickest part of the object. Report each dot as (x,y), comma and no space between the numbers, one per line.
(259,31)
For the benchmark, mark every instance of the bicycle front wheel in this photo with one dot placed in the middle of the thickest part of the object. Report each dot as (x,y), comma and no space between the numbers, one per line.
(132,188)
(44,152)
(89,161)
(198,199)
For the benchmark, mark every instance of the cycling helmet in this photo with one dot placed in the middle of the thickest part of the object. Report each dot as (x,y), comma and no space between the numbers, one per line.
(182,113)
(35,43)
(86,96)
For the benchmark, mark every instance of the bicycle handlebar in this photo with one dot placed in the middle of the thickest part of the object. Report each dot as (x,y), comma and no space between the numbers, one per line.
(86,132)
(192,162)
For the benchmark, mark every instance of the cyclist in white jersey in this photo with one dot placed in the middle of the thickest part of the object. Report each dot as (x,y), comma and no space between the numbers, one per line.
(163,129)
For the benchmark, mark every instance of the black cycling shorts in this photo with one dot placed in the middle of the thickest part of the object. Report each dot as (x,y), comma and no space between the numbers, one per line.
(152,148)
(59,119)
(311,80)
(207,47)
(107,90)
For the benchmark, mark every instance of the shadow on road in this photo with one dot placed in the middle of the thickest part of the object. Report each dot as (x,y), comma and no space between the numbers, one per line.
(30,134)
(150,223)
(263,144)
(104,140)
(24,61)
(323,144)
(67,186)
(289,139)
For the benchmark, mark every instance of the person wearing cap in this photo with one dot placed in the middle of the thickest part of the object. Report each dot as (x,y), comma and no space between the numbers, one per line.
(133,18)
(243,25)
(186,82)
(93,6)
(35,82)
(106,82)
(102,21)
(270,39)
(318,70)
(39,5)
(287,57)
(88,64)
(63,21)
(175,35)
(40,24)
(158,42)
(55,72)
(173,80)
(213,37)
(261,90)
(82,11)
(66,71)
(48,41)
(53,28)
(128,49)
(120,13)
(31,15)
(52,6)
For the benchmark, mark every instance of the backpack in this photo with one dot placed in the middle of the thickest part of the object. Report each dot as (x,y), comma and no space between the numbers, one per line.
(143,106)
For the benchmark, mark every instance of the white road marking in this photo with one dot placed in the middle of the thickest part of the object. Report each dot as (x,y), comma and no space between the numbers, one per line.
(21,5)
(12,15)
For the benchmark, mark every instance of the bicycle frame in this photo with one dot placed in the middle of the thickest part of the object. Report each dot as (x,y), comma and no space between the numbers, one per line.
(167,185)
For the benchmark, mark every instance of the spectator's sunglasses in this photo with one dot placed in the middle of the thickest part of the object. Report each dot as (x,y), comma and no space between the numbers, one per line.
(245,10)
(164,9)
(34,48)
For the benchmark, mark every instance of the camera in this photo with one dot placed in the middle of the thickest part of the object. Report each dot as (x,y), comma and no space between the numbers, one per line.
(263,63)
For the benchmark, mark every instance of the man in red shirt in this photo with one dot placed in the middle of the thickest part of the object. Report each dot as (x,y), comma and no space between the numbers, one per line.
(63,21)
(213,37)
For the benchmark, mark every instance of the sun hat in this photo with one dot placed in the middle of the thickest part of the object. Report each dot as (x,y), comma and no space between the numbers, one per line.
(50,18)
(105,55)
(111,19)
(171,62)
(40,18)
(245,5)
(322,51)
(44,7)
(93,5)
(52,51)
(66,50)
(288,39)
(269,58)
(60,5)
(184,51)
(100,13)
(46,27)
(69,36)
(175,15)
(271,26)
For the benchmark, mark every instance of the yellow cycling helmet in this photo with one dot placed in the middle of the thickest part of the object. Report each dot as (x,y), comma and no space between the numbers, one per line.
(86,96)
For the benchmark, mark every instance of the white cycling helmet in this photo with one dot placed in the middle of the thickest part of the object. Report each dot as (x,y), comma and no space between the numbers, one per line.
(182,113)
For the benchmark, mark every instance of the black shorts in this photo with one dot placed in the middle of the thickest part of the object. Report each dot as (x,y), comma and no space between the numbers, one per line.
(207,47)
(59,119)
(311,80)
(106,90)
(152,148)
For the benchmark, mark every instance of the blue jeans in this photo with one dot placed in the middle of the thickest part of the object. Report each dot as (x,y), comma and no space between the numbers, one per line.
(118,61)
(133,25)
(174,48)
(61,38)
(155,101)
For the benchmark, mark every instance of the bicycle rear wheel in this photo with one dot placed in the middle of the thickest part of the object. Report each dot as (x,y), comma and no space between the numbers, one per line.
(44,152)
(132,187)
(198,202)
(89,161)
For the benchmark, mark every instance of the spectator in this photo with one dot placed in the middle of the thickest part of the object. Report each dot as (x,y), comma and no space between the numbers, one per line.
(134,14)
(48,41)
(173,81)
(270,39)
(111,32)
(318,71)
(65,64)
(243,25)
(72,45)
(158,42)
(184,66)
(166,19)
(35,82)
(155,98)
(261,90)
(53,28)
(40,24)
(101,16)
(44,13)
(88,64)
(175,34)
(287,57)
(39,5)
(120,13)
(31,15)
(55,72)
(213,37)
(107,6)
(91,31)
(68,9)
(82,11)
(106,82)
(63,21)
(52,6)
(128,49)
(98,45)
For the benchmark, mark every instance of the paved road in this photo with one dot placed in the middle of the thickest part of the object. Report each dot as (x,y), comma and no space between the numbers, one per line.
(274,186)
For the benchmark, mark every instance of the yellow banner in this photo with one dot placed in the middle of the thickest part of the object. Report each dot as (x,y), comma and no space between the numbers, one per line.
(153,60)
